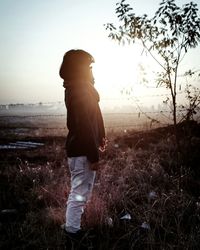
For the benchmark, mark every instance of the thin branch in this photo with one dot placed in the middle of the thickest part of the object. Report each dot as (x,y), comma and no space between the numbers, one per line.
(152,55)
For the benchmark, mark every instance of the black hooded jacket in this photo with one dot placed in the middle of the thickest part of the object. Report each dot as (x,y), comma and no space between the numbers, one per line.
(84,121)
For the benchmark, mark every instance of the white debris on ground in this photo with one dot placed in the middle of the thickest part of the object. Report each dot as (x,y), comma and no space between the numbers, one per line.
(145,225)
(127,216)
(152,196)
(6,211)
(109,221)
(21,145)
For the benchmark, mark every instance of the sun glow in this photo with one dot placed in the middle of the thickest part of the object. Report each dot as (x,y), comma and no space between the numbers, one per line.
(117,68)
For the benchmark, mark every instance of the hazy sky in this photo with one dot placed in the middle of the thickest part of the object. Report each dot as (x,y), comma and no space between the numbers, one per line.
(35,35)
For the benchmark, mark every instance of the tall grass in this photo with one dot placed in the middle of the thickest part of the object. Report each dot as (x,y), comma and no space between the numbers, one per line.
(164,212)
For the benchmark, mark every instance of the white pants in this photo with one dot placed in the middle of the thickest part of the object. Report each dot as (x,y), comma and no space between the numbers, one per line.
(82,181)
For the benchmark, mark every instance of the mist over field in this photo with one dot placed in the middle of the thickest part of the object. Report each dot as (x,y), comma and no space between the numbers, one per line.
(116,117)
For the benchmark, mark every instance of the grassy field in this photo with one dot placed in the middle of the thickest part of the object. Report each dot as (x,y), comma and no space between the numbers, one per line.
(141,177)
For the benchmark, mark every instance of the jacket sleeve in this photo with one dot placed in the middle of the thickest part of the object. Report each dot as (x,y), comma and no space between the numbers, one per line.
(86,123)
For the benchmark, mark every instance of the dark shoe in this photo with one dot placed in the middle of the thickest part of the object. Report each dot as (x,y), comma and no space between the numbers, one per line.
(79,240)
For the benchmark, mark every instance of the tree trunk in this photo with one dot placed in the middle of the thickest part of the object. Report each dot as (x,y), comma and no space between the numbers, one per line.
(175,123)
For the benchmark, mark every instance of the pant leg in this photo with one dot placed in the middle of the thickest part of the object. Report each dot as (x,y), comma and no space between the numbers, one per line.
(82,181)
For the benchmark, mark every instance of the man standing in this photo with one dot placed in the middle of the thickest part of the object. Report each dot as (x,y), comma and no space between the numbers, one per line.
(86,134)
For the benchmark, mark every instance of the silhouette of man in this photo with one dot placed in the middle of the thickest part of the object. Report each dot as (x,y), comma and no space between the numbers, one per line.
(86,135)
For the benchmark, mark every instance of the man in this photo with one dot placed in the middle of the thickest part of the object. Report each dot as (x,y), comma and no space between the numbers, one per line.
(86,134)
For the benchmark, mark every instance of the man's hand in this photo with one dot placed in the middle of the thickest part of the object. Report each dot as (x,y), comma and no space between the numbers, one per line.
(102,148)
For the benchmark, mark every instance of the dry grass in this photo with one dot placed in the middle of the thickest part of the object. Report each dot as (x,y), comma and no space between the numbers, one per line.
(140,181)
